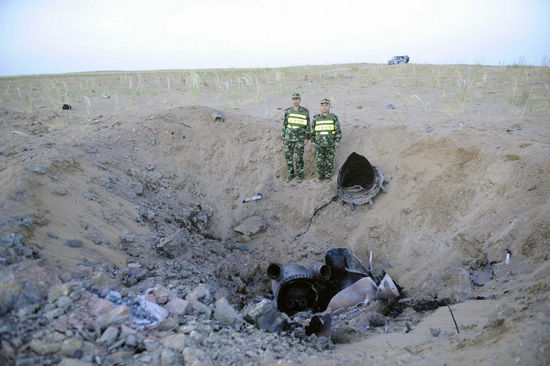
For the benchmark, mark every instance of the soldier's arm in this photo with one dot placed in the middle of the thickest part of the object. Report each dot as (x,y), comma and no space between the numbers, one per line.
(285,121)
(312,131)
(308,128)
(338,134)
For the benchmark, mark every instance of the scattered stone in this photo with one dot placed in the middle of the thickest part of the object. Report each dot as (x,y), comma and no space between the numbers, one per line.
(127,239)
(114,296)
(137,188)
(264,315)
(251,226)
(54,314)
(119,358)
(390,106)
(199,308)
(74,243)
(60,191)
(12,239)
(29,309)
(64,302)
(101,306)
(169,357)
(132,341)
(7,351)
(175,245)
(70,346)
(169,323)
(201,293)
(73,362)
(97,237)
(117,315)
(179,306)
(159,295)
(429,129)
(226,314)
(109,336)
(42,348)
(176,342)
(24,221)
(155,310)
(438,332)
(345,334)
(196,357)
(52,235)
(36,168)
(64,289)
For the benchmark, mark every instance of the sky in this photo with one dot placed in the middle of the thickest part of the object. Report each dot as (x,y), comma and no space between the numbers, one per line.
(59,36)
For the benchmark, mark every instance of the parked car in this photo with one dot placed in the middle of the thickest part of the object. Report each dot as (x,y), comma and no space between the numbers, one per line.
(398,60)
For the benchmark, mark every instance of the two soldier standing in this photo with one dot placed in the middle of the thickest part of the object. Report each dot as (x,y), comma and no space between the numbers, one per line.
(324,131)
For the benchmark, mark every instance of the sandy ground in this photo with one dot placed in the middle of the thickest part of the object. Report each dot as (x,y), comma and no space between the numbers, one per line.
(465,148)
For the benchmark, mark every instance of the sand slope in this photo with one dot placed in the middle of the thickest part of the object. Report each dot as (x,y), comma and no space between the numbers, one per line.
(465,149)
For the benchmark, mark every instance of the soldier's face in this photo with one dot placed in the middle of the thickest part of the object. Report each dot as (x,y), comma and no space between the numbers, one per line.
(325,108)
(296,102)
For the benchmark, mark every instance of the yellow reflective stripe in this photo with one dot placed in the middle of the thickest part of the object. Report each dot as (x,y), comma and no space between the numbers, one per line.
(294,127)
(324,125)
(297,115)
(325,133)
(297,121)
(324,128)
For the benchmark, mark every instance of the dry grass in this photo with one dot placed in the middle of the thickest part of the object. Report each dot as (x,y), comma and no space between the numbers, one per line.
(452,88)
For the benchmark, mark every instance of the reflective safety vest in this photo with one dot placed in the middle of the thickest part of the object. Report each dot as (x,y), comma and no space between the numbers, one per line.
(324,127)
(296,120)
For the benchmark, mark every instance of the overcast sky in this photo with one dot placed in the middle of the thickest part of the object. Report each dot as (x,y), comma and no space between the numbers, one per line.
(56,36)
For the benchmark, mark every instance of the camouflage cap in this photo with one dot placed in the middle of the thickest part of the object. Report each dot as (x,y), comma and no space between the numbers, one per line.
(325,101)
(296,96)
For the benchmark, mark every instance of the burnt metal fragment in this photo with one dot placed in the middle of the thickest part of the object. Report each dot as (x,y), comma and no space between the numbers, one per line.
(359,181)
(297,288)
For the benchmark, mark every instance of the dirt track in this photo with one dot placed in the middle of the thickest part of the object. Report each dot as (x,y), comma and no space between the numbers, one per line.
(139,158)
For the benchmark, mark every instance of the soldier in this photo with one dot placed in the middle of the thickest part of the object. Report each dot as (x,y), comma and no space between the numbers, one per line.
(326,135)
(295,134)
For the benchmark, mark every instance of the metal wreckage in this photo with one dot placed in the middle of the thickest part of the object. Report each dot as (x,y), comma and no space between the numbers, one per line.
(359,181)
(343,280)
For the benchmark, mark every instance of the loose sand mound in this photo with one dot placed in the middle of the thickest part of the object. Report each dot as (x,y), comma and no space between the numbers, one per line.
(465,153)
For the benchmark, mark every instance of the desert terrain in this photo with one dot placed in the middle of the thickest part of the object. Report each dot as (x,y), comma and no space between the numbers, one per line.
(118,217)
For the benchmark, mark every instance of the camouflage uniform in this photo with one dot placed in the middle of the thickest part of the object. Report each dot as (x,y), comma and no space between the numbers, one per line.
(295,130)
(326,132)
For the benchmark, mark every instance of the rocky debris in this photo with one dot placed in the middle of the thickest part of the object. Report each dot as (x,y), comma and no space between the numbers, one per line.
(117,315)
(73,243)
(156,311)
(175,245)
(13,249)
(96,236)
(265,315)
(201,293)
(158,295)
(42,348)
(171,357)
(226,314)
(438,332)
(345,334)
(109,336)
(179,306)
(251,226)
(36,168)
(177,342)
